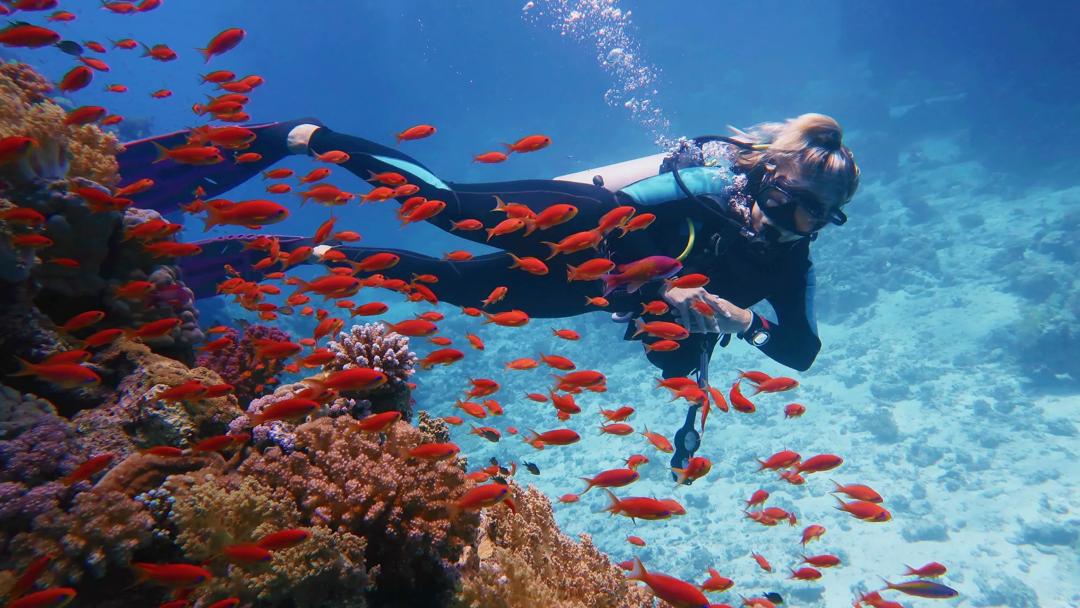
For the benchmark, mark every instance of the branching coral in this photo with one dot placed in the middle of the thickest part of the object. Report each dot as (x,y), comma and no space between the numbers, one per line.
(210,512)
(62,150)
(523,560)
(372,345)
(236,363)
(352,482)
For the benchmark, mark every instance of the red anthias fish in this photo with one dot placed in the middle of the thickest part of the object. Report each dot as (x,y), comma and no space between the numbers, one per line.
(635,274)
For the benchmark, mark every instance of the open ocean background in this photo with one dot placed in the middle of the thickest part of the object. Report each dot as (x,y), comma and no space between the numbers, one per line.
(948,306)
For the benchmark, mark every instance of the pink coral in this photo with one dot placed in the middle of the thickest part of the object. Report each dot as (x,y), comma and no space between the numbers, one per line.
(236,362)
(350,481)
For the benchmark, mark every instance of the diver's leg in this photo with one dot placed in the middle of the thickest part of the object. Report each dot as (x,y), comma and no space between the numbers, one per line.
(468,283)
(474,201)
(175,183)
(203,272)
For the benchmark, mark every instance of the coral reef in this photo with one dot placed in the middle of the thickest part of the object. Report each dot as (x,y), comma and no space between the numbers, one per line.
(372,345)
(234,363)
(522,559)
(352,482)
(132,417)
(210,512)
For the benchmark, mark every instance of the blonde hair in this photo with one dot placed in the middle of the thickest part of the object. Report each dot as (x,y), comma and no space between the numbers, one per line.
(813,142)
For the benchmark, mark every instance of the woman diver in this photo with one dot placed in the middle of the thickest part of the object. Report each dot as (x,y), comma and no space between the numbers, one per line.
(741,210)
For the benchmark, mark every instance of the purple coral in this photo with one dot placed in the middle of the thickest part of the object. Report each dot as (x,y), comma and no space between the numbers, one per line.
(234,363)
(371,345)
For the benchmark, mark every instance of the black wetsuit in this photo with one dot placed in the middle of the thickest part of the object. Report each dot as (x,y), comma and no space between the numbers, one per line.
(742,270)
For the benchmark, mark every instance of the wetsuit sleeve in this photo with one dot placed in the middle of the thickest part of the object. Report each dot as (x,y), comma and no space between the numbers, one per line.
(663,188)
(793,339)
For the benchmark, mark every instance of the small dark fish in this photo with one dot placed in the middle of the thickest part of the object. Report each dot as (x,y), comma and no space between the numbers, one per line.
(494,461)
(923,588)
(774,597)
(535,470)
(70,47)
(504,470)
(501,480)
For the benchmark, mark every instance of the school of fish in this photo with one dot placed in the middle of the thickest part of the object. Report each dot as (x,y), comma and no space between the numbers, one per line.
(222,140)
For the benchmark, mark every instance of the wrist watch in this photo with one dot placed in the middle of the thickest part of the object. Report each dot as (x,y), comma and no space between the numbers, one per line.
(758,332)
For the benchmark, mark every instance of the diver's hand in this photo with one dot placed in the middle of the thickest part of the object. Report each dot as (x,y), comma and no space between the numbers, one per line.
(726,317)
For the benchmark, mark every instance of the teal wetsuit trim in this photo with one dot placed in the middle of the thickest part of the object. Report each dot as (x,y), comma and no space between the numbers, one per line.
(663,188)
(413,168)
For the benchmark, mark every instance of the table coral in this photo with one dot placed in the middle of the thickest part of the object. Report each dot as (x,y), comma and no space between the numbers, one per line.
(351,482)
(523,560)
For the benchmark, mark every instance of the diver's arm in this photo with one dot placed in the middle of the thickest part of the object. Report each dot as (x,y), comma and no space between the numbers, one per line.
(792,338)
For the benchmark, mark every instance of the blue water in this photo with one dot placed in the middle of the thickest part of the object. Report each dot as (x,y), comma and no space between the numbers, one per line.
(948,306)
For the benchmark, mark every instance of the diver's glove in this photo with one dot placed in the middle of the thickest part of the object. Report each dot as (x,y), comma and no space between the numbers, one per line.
(685,154)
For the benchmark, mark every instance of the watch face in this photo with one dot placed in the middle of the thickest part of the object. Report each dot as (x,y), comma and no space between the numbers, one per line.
(759,338)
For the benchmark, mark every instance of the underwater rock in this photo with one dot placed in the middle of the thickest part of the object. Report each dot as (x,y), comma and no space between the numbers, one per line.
(925,531)
(133,418)
(522,559)
(1004,590)
(1049,533)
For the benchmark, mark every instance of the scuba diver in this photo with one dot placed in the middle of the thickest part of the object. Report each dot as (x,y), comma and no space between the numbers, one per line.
(740,209)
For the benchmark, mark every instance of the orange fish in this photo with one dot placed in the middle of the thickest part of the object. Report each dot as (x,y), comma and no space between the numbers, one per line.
(64,375)
(578,241)
(775,385)
(670,589)
(351,379)
(88,469)
(794,410)
(558,362)
(512,318)
(221,442)
(698,467)
(514,209)
(189,155)
(23,216)
(639,223)
(490,433)
(552,216)
(434,451)
(224,41)
(821,462)
(598,301)
(442,356)
(102,337)
(590,270)
(458,256)
(523,363)
(333,156)
(613,478)
(288,409)
(159,52)
(283,539)
(715,582)
(660,329)
(376,262)
(77,78)
(567,334)
(568,498)
(761,561)
(84,115)
(555,437)
(866,511)
(822,561)
(27,36)
(636,461)
(739,402)
(154,329)
(416,132)
(246,553)
(48,598)
(82,320)
(177,576)
(641,507)
(475,341)
(811,532)
(615,218)
(529,143)
(507,226)
(377,423)
(931,570)
(490,157)
(315,175)
(496,295)
(658,441)
(618,415)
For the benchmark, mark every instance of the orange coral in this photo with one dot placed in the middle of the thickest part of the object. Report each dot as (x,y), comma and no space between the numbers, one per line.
(352,481)
(62,150)
(523,560)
